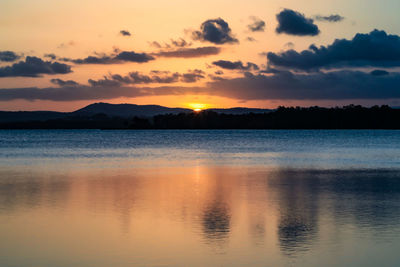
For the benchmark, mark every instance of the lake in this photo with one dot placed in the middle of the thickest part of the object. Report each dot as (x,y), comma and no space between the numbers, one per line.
(199,198)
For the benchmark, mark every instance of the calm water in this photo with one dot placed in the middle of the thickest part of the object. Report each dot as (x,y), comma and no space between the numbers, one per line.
(199,198)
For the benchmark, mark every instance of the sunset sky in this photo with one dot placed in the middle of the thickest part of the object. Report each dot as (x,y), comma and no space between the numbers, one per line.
(63,55)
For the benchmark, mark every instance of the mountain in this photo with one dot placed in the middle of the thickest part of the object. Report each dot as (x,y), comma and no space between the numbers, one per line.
(131,110)
(112,110)
(127,110)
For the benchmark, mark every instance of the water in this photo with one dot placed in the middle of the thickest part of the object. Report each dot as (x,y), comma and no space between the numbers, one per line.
(199,198)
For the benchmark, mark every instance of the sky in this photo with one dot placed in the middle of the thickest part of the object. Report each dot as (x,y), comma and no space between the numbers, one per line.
(63,55)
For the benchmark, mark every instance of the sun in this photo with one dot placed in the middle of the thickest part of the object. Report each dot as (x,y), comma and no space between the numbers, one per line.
(197,107)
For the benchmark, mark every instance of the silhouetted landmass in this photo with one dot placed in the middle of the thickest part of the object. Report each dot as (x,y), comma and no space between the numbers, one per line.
(348,117)
(23,116)
(237,111)
(110,110)
(127,110)
(131,110)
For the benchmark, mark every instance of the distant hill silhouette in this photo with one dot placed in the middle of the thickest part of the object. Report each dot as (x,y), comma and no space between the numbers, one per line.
(127,116)
(111,110)
(127,110)
(131,110)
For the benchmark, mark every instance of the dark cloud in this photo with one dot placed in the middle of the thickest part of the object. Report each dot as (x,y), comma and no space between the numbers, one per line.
(92,60)
(237,65)
(295,23)
(138,78)
(64,83)
(216,31)
(192,76)
(155,44)
(376,49)
(331,18)
(51,56)
(8,56)
(178,43)
(216,77)
(134,57)
(124,33)
(251,39)
(105,82)
(160,72)
(190,52)
(120,57)
(116,80)
(257,25)
(90,92)
(34,67)
(337,85)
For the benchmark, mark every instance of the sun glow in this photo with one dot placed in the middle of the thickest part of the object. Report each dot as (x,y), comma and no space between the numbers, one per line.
(197,106)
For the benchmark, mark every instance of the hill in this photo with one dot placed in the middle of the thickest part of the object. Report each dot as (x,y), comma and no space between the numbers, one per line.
(112,110)
(127,110)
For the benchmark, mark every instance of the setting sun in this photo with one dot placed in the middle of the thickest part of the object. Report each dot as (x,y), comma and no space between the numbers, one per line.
(197,106)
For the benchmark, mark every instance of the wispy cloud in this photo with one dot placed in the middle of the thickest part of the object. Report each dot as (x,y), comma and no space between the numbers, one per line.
(190,52)
(257,25)
(330,18)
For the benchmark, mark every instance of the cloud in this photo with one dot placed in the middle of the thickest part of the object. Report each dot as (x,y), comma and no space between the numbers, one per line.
(90,92)
(336,85)
(216,31)
(34,67)
(180,43)
(330,18)
(134,57)
(160,77)
(376,49)
(250,39)
(64,83)
(92,60)
(155,44)
(134,78)
(192,76)
(294,23)
(125,33)
(120,57)
(8,56)
(237,65)
(51,56)
(257,25)
(190,52)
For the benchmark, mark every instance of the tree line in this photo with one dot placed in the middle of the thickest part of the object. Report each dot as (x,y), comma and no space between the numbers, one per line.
(347,117)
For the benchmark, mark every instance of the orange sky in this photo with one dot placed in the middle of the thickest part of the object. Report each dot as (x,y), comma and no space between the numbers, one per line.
(77,29)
